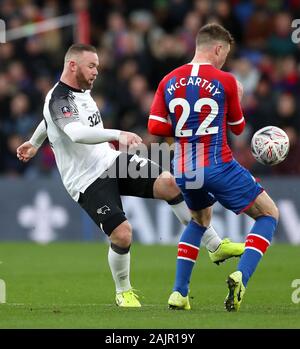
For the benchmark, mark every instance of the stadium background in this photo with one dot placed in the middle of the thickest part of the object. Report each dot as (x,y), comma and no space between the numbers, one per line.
(139,42)
(68,284)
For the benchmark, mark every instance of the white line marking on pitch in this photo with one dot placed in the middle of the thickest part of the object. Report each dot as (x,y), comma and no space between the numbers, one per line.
(70,305)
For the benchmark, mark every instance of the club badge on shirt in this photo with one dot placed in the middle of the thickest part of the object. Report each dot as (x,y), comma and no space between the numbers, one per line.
(66,111)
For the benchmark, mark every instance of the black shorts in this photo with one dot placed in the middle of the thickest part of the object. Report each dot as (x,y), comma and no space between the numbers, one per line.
(129,175)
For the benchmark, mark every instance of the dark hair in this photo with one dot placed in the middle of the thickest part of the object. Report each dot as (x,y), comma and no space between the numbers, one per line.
(211,32)
(79,48)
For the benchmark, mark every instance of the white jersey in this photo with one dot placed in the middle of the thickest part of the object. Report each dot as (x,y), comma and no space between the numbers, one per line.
(79,164)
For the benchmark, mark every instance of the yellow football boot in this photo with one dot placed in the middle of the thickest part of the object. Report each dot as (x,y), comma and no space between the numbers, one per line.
(127,299)
(227,249)
(236,291)
(178,302)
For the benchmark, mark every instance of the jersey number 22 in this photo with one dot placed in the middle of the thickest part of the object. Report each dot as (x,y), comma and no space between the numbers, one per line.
(204,128)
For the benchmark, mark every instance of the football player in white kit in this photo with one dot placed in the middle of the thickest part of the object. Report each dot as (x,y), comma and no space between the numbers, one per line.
(86,162)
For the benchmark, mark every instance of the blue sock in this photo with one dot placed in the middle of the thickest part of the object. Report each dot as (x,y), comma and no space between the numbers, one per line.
(188,249)
(257,242)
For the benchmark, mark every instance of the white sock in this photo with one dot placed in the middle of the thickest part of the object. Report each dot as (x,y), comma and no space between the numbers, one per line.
(182,212)
(211,239)
(120,268)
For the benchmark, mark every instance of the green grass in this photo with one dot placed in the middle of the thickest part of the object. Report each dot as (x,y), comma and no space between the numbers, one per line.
(68,285)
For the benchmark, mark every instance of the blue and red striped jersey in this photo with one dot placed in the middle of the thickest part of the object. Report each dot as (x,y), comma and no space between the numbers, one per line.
(194,103)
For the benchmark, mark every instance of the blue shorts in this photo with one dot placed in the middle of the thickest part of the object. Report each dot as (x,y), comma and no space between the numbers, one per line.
(228,183)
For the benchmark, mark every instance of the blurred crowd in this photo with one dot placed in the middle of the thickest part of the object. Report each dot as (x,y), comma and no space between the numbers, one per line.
(140,41)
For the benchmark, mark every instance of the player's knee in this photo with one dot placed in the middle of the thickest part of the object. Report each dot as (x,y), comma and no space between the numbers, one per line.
(122,235)
(165,187)
(275,212)
(263,206)
(271,210)
(203,217)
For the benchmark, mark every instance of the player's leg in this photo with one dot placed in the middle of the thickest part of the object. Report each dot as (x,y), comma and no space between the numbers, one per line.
(245,195)
(189,244)
(153,182)
(119,256)
(102,202)
(119,262)
(218,250)
(188,248)
(165,188)
(150,181)
(266,215)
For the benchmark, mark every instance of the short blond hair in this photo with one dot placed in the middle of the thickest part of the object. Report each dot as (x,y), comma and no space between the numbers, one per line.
(213,32)
(77,49)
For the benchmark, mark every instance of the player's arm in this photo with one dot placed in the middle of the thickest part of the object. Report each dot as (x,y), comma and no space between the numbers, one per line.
(69,122)
(235,118)
(158,122)
(28,149)
(80,133)
(39,135)
(83,134)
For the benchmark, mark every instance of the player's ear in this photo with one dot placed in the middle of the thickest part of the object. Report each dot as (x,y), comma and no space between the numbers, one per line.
(218,49)
(72,66)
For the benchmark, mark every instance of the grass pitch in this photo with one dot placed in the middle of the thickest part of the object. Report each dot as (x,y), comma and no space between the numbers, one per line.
(69,285)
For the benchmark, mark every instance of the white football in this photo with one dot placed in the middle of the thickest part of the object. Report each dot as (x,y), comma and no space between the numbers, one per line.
(270,145)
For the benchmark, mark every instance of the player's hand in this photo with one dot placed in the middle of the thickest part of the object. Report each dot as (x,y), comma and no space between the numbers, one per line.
(129,139)
(26,151)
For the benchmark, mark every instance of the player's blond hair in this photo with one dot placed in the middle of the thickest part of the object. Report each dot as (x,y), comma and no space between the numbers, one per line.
(213,32)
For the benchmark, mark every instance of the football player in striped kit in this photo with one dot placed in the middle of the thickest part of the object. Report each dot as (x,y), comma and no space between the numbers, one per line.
(195,103)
